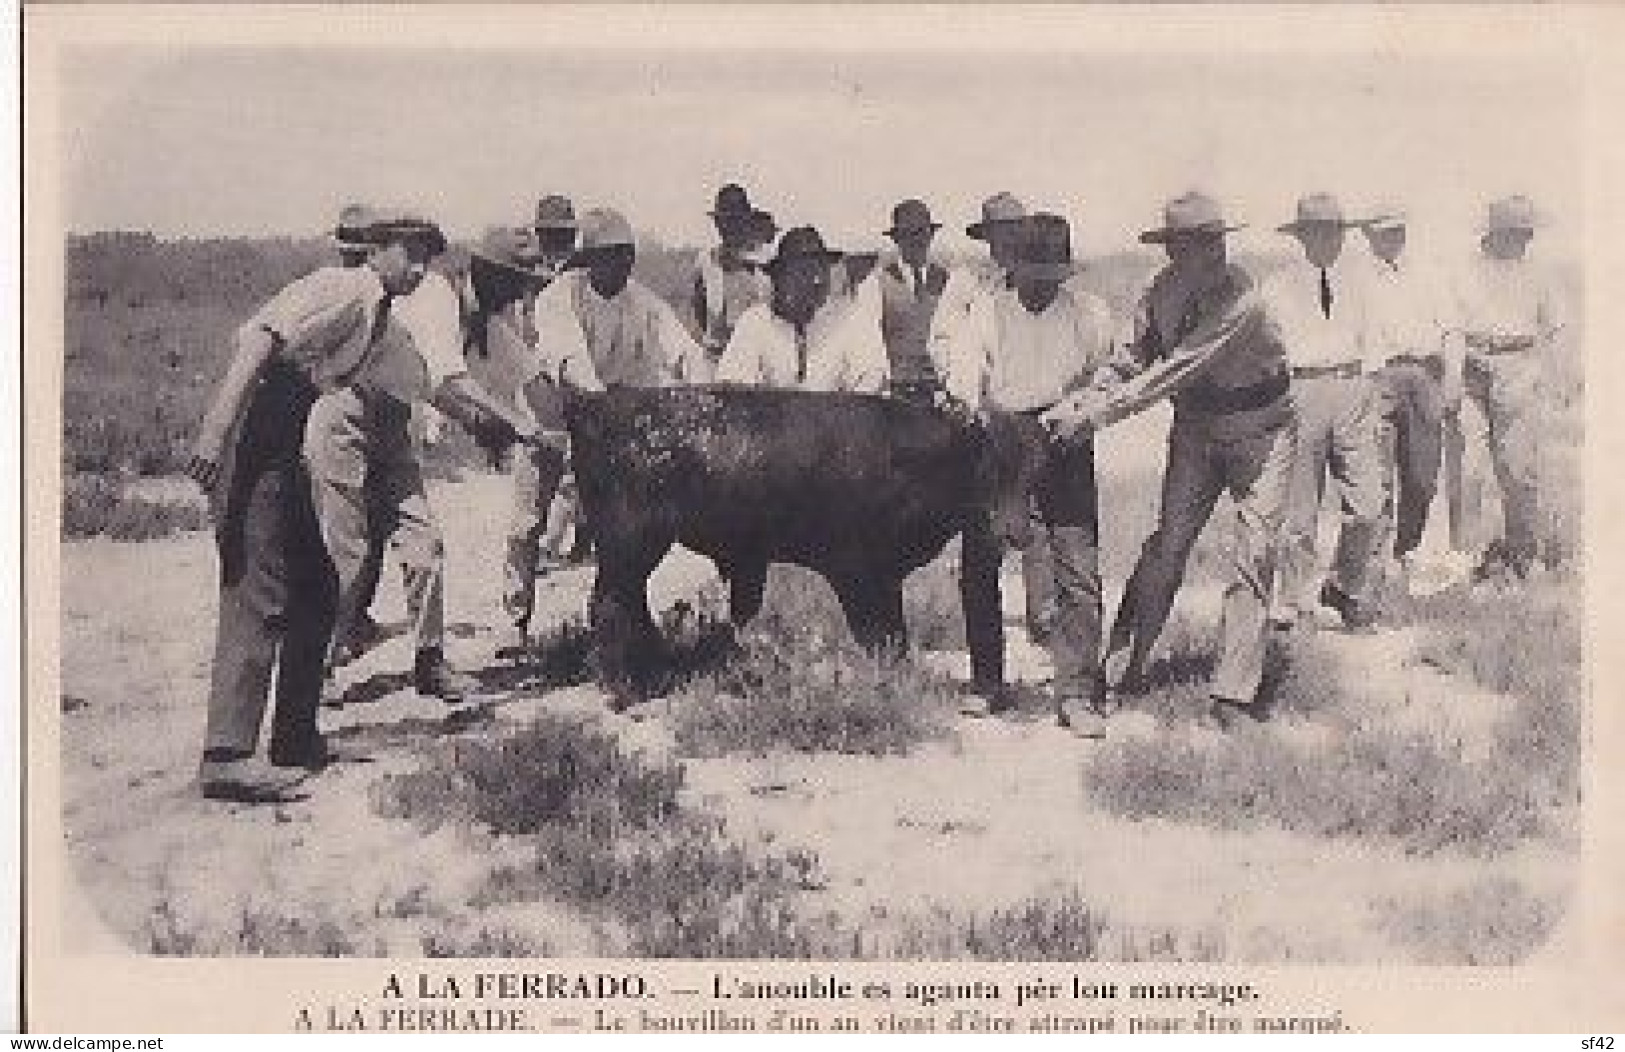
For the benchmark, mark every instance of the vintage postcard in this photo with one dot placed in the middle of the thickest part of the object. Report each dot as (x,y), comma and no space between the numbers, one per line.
(806,519)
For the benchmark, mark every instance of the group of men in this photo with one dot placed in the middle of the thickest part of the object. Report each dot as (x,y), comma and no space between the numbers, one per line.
(1334,366)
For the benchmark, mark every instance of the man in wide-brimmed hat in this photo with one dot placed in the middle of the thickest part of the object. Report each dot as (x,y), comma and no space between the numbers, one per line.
(1406,334)
(597,326)
(799,338)
(911,289)
(1507,313)
(325,332)
(1318,301)
(1202,337)
(1000,229)
(1021,348)
(729,279)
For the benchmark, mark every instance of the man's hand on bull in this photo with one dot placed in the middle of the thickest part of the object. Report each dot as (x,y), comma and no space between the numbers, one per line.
(1069,418)
(958,408)
(494,435)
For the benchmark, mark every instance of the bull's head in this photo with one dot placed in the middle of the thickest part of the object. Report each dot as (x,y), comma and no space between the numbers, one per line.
(1016,453)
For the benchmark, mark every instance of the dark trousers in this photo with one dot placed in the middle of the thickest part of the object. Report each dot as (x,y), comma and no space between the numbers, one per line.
(1064,511)
(1414,441)
(277,589)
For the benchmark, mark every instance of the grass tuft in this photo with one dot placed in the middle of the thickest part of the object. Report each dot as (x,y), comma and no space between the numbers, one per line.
(96,505)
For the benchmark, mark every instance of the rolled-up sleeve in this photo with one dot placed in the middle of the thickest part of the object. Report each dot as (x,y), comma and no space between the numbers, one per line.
(432,315)
(320,311)
(966,341)
(741,362)
(562,354)
(685,361)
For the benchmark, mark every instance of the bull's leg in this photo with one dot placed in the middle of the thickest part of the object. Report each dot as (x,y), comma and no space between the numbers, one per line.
(747,582)
(625,633)
(874,611)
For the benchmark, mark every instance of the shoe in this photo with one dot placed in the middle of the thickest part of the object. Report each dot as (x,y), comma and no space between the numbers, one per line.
(985,699)
(365,635)
(1121,676)
(1081,717)
(433,678)
(312,754)
(250,780)
(513,642)
(1356,617)
(1224,715)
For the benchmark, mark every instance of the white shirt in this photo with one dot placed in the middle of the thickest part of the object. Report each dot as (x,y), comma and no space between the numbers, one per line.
(1311,338)
(841,347)
(1506,299)
(421,345)
(632,338)
(1002,355)
(1405,310)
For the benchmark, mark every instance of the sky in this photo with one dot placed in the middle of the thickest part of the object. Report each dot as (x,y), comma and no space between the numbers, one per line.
(204,140)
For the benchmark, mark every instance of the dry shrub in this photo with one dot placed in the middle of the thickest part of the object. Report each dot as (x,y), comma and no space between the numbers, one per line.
(1525,641)
(800,683)
(610,839)
(1494,921)
(103,506)
(557,773)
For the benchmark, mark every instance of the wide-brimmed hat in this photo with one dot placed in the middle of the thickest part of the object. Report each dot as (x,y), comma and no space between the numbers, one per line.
(1189,213)
(732,202)
(1044,248)
(802,242)
(1510,213)
(911,216)
(514,250)
(1385,215)
(363,227)
(555,212)
(602,230)
(1001,208)
(1316,210)
(346,236)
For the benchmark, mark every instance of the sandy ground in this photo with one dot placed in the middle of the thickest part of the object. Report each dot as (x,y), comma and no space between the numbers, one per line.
(993,816)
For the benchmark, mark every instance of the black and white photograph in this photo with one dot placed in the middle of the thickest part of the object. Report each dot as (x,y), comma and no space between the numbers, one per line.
(868,485)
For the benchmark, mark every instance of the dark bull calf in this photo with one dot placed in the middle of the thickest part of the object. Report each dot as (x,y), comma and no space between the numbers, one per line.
(860,488)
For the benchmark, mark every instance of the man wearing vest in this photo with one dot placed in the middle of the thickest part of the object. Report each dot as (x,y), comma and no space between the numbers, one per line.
(1020,349)
(799,338)
(1507,316)
(1317,302)
(1202,336)
(730,280)
(911,288)
(1000,228)
(597,326)
(277,590)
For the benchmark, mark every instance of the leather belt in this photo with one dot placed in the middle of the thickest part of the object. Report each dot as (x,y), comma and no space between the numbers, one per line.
(1342,370)
(381,402)
(1213,400)
(1493,345)
(1427,361)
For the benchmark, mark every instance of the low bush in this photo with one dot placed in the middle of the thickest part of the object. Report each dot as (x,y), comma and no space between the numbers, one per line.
(104,506)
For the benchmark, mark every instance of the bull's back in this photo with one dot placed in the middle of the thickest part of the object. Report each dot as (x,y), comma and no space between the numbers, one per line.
(775,475)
